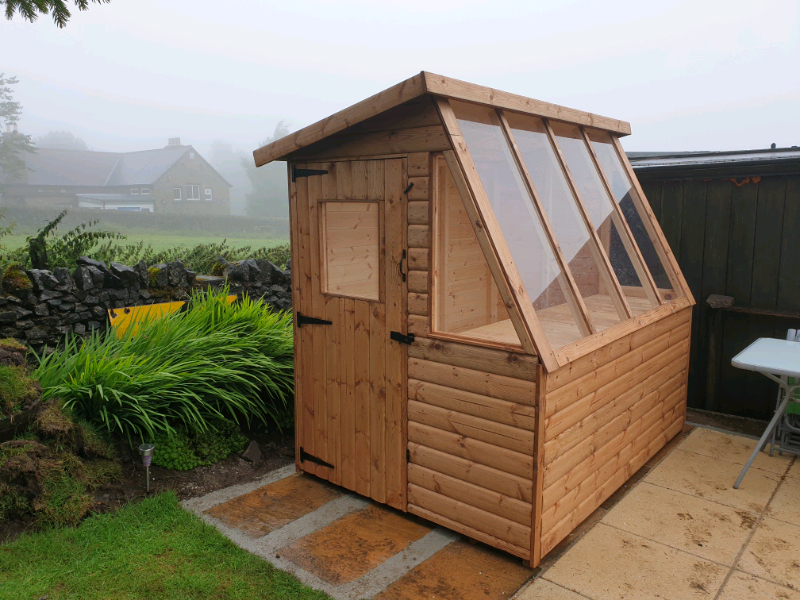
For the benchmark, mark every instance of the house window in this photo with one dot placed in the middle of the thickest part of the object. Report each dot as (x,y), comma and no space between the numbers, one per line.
(193,192)
(176,194)
(351,249)
(145,191)
(208,194)
(191,155)
(134,191)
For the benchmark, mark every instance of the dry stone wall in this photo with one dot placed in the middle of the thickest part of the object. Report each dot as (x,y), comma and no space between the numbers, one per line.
(42,307)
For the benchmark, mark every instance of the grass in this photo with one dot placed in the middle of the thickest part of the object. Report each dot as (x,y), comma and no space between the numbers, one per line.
(152,549)
(162,241)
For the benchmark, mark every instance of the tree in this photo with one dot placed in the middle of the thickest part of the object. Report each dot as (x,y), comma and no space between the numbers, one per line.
(270,192)
(61,140)
(28,9)
(13,144)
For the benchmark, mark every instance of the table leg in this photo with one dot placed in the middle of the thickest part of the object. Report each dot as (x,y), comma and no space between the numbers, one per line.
(763,440)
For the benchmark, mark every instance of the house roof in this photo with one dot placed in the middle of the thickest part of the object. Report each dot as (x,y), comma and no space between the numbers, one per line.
(48,166)
(737,163)
(114,198)
(436,85)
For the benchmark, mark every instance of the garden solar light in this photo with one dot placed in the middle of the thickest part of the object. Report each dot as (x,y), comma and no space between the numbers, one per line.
(146,450)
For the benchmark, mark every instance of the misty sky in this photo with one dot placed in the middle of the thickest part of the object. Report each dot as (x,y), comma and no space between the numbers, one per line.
(690,75)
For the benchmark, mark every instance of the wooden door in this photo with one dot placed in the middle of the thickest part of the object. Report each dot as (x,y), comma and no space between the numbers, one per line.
(348,242)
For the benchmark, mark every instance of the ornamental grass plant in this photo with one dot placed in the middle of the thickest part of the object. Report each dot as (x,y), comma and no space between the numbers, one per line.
(186,371)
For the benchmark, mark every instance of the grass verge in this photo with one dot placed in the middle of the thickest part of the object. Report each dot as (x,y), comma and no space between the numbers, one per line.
(152,549)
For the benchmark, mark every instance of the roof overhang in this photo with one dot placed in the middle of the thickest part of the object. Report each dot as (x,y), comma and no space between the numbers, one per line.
(436,85)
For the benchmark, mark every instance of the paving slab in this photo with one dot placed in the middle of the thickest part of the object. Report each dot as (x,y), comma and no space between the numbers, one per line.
(785,505)
(734,449)
(774,553)
(461,570)
(742,586)
(610,564)
(712,479)
(271,507)
(355,544)
(541,589)
(695,525)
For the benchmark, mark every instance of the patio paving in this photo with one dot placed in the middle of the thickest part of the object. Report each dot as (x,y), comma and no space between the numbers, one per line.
(676,530)
(684,532)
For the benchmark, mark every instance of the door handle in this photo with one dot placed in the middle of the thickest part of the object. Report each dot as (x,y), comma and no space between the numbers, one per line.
(402,274)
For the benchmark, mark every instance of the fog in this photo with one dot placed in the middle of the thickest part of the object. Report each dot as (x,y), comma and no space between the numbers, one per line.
(127,75)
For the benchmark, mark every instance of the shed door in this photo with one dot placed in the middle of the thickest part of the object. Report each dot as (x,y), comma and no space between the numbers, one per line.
(348,241)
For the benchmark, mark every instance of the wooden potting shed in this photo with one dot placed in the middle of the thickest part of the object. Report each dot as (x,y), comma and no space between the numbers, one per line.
(490,330)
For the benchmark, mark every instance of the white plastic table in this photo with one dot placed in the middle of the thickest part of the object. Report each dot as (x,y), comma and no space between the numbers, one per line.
(771,357)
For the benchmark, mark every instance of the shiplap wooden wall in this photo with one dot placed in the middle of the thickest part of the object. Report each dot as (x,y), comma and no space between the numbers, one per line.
(739,238)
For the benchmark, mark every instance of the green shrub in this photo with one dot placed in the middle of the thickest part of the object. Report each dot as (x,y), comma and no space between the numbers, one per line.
(181,371)
(184,451)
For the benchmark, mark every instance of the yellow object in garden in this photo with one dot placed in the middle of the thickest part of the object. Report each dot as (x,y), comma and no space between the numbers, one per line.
(123,318)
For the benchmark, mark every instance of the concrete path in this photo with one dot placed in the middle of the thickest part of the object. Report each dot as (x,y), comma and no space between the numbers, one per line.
(683,532)
(676,530)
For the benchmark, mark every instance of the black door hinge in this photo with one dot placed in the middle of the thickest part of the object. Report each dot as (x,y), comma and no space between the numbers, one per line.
(402,338)
(306,172)
(302,319)
(305,456)
(408,455)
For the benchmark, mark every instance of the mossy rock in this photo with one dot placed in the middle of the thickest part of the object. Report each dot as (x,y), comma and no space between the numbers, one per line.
(218,269)
(15,278)
(12,353)
(17,389)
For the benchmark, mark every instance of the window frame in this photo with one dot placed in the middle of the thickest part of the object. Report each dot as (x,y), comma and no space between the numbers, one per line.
(190,188)
(529,328)
(208,193)
(134,191)
(437,258)
(322,249)
(180,194)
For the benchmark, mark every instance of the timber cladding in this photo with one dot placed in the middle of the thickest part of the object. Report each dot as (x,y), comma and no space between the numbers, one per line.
(605,416)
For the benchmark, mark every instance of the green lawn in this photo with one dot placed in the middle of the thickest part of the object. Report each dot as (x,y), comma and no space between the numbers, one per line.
(164,240)
(151,549)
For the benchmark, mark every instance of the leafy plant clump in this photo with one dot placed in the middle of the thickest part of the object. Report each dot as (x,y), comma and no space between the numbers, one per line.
(182,371)
(184,450)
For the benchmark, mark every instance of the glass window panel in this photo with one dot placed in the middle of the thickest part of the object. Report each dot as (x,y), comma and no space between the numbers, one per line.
(466,300)
(602,214)
(518,221)
(624,194)
(562,211)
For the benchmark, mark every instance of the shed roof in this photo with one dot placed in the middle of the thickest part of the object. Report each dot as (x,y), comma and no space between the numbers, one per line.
(435,85)
(736,163)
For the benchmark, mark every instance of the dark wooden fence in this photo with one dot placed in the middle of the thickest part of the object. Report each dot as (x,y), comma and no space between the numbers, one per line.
(739,238)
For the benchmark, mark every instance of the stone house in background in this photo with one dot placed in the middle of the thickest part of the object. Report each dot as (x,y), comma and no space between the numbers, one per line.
(173,179)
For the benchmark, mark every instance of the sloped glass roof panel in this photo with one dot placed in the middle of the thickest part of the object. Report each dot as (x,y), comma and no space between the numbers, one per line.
(568,226)
(603,215)
(520,224)
(629,201)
